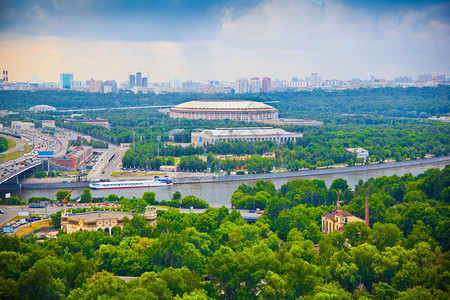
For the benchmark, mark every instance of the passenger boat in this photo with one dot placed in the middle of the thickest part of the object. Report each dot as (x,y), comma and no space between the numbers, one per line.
(156,182)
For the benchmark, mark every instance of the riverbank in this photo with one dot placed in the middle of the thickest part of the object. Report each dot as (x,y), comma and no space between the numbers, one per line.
(319,172)
(212,178)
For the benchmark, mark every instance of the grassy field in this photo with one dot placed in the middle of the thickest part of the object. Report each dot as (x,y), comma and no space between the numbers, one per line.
(29,229)
(16,154)
(11,143)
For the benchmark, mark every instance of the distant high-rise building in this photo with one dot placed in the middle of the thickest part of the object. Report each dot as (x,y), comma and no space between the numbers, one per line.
(241,86)
(139,79)
(266,84)
(370,77)
(403,79)
(190,87)
(66,81)
(356,81)
(315,80)
(175,83)
(425,78)
(439,78)
(144,82)
(110,86)
(255,85)
(95,86)
(132,81)
(5,77)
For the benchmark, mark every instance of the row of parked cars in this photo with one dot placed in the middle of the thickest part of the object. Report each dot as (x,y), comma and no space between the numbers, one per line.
(19,222)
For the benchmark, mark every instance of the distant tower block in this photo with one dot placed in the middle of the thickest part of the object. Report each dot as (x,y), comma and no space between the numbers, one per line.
(5,77)
(366,216)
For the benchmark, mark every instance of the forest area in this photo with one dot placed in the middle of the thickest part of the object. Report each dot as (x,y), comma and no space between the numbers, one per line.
(284,255)
(320,104)
(388,122)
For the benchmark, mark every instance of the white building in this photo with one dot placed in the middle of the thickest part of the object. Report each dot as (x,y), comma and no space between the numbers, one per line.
(249,134)
(255,85)
(22,125)
(241,86)
(360,152)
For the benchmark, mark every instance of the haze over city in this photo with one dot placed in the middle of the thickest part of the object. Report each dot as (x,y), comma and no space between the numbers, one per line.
(223,40)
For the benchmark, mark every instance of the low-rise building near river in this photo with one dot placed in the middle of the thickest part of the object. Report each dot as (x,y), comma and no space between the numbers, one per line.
(100,220)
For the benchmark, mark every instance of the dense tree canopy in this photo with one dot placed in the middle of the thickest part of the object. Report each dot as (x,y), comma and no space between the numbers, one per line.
(3,144)
(395,102)
(284,255)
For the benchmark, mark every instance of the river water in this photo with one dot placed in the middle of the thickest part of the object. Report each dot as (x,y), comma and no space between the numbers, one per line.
(219,193)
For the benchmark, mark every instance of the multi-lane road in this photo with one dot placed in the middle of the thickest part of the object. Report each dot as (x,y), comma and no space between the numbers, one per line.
(39,142)
(105,164)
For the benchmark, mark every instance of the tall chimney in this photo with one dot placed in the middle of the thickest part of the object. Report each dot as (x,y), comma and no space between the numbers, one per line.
(366,216)
(338,200)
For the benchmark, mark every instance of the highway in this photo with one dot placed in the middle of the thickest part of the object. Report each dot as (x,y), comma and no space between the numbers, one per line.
(103,166)
(39,141)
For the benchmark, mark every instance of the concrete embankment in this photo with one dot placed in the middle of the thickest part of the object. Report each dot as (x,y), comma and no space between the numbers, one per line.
(212,178)
(53,185)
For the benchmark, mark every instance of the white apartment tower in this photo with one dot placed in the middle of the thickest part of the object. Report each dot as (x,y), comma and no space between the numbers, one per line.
(241,86)
(255,85)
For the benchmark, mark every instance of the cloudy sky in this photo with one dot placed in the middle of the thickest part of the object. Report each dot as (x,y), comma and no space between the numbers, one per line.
(223,39)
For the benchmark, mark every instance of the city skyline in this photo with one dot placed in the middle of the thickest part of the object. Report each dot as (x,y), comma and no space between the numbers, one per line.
(223,40)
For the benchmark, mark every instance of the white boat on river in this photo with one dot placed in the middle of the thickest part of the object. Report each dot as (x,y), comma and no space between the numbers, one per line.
(156,182)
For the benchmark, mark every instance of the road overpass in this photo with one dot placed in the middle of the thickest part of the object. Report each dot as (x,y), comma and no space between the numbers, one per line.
(15,172)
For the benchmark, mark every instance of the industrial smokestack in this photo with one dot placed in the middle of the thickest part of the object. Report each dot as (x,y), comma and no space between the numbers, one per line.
(366,217)
(338,200)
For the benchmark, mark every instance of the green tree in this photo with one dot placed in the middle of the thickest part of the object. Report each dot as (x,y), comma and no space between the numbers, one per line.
(86,196)
(40,174)
(339,184)
(357,233)
(149,197)
(385,235)
(61,195)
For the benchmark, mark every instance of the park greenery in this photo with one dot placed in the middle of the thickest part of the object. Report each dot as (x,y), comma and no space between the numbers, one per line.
(284,255)
(393,102)
(3,144)
(93,143)
(12,201)
(391,123)
(385,139)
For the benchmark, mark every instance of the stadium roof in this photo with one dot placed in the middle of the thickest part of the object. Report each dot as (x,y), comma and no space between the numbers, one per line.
(42,108)
(228,105)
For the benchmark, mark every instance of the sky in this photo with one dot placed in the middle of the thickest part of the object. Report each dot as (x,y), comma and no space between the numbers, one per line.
(223,40)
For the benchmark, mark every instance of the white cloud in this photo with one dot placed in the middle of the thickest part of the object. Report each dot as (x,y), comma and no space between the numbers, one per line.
(278,38)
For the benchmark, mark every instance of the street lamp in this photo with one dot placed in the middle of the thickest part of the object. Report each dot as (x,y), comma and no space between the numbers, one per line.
(165,153)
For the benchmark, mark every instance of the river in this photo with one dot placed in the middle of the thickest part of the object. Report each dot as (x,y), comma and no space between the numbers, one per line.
(219,193)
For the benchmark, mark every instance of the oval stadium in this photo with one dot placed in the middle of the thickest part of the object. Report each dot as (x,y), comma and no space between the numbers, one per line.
(42,108)
(235,110)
